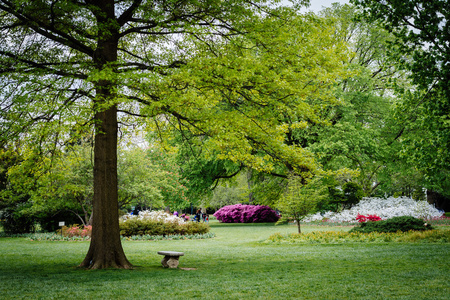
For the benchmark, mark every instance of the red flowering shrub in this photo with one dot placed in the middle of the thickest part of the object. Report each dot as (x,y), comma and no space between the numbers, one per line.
(371,218)
(75,230)
(241,213)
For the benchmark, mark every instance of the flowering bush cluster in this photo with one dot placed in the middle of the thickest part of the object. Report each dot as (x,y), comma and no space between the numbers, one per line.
(136,226)
(371,218)
(241,213)
(155,223)
(384,208)
(76,231)
(156,215)
(146,237)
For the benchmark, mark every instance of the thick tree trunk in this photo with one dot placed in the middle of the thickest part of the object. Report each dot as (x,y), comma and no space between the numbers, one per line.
(105,250)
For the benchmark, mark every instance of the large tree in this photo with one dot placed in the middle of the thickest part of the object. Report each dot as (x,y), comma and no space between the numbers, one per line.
(223,69)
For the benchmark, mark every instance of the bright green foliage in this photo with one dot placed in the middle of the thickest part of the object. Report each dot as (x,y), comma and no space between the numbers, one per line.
(13,203)
(362,130)
(28,186)
(267,189)
(165,175)
(138,179)
(229,192)
(65,182)
(250,91)
(8,158)
(405,223)
(250,117)
(200,170)
(301,198)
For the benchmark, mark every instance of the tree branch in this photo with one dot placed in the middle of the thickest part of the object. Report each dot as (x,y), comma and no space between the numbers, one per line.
(41,66)
(128,14)
(46,30)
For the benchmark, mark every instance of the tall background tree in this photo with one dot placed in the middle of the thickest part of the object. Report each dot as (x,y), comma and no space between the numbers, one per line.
(301,198)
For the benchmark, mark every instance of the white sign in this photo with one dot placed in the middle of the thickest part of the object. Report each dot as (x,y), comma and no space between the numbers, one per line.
(62,223)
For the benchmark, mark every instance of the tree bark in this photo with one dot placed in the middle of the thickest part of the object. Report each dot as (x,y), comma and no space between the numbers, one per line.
(105,250)
(298,224)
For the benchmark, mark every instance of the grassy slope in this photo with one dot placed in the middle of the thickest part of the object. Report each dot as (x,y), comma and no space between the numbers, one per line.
(231,266)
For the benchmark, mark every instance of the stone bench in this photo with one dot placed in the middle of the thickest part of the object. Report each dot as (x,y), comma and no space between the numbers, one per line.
(170,259)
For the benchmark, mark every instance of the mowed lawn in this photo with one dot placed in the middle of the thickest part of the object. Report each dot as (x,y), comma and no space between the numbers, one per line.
(233,265)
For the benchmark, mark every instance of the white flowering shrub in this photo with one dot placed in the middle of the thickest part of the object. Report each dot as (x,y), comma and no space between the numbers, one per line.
(384,208)
(156,215)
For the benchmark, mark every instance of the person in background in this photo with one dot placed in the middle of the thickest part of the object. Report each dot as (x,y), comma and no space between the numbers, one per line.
(197,215)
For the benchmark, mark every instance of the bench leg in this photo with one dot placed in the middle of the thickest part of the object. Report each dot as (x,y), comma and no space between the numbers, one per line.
(170,262)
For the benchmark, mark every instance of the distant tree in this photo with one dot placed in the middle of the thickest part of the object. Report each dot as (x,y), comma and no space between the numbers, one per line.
(301,198)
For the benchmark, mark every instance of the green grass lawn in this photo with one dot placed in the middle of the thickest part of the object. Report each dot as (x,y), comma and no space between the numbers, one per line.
(233,265)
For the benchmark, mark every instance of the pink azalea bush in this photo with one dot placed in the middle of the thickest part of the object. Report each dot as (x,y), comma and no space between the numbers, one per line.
(371,218)
(242,213)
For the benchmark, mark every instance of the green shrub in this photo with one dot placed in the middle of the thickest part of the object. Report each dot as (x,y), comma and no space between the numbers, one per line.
(405,223)
(17,220)
(132,227)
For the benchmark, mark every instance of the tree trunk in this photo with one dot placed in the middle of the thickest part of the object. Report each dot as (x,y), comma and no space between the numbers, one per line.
(105,250)
(298,225)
